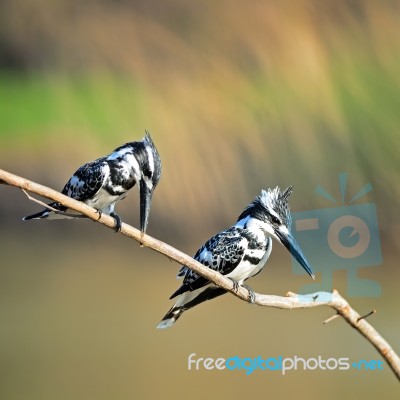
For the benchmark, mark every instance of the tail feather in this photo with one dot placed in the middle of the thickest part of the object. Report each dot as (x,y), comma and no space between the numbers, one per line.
(46,213)
(188,300)
(170,317)
(39,215)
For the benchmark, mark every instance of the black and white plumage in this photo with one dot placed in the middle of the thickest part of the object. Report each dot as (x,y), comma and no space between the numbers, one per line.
(240,252)
(102,182)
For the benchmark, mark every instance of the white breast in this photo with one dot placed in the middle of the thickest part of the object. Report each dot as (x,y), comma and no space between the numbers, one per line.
(104,201)
(246,269)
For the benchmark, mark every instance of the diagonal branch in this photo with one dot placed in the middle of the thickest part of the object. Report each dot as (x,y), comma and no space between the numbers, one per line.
(291,301)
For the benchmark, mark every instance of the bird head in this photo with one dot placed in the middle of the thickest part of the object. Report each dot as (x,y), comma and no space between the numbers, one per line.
(270,211)
(150,173)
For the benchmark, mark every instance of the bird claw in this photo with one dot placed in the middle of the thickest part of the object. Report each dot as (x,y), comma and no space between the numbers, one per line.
(100,214)
(251,296)
(235,285)
(118,222)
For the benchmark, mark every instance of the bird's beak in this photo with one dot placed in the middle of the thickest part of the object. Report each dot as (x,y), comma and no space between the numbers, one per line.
(290,243)
(145,203)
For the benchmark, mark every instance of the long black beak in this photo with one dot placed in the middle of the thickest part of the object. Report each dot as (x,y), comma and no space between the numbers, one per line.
(290,243)
(145,203)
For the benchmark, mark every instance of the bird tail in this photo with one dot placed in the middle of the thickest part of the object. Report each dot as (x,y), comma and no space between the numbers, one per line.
(171,317)
(40,215)
(186,301)
(46,213)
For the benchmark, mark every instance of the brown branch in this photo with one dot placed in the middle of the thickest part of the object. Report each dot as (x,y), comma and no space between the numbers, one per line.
(291,301)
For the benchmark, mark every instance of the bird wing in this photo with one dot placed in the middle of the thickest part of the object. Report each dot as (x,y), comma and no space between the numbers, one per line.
(221,253)
(87,180)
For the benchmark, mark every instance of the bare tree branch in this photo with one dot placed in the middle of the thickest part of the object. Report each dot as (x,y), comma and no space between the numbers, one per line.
(291,301)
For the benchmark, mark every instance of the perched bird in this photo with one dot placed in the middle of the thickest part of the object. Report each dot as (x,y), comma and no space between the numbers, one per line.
(239,252)
(102,182)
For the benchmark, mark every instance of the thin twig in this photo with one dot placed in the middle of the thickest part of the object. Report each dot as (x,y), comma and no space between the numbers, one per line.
(367,315)
(49,207)
(42,203)
(290,301)
(330,319)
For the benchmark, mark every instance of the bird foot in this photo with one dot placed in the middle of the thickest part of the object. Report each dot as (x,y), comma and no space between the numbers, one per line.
(118,222)
(100,214)
(235,285)
(251,296)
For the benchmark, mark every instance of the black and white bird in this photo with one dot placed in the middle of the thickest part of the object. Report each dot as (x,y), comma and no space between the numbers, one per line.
(102,182)
(239,252)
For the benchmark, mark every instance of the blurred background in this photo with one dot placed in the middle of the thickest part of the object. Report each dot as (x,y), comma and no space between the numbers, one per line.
(238,96)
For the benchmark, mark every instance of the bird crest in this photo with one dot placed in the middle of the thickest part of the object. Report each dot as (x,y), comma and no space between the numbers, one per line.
(270,201)
(147,137)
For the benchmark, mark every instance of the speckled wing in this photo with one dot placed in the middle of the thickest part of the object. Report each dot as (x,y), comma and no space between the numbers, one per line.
(221,253)
(87,180)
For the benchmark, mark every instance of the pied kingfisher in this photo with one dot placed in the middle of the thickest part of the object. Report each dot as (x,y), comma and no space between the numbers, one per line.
(239,252)
(102,182)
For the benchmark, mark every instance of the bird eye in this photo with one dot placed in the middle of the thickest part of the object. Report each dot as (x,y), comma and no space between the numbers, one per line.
(147,172)
(275,220)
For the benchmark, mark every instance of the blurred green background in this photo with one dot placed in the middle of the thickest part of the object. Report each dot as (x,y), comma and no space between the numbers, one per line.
(239,96)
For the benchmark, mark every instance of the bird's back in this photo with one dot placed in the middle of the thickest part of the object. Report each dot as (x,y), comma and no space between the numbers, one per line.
(87,180)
